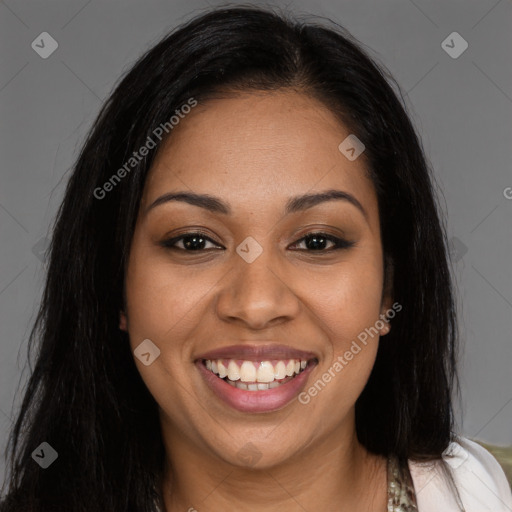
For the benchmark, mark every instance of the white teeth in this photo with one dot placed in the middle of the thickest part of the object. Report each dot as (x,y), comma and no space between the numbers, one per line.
(233,371)
(280,370)
(255,375)
(222,370)
(265,372)
(247,372)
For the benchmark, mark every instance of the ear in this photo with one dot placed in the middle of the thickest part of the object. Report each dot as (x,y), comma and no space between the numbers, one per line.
(123,322)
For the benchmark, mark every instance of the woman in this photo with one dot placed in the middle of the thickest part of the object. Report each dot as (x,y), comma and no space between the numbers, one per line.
(248,303)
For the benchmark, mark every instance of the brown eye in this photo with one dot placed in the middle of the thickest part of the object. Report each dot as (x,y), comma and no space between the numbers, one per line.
(316,242)
(190,242)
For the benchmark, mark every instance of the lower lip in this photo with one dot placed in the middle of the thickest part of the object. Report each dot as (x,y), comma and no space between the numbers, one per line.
(256,401)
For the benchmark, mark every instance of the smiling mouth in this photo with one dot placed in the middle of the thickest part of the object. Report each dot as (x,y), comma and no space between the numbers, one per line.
(261,375)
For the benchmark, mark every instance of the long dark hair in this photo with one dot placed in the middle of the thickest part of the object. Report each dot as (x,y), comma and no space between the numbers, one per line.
(85,396)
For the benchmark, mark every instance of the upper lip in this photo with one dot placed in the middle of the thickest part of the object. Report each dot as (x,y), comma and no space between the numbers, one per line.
(265,352)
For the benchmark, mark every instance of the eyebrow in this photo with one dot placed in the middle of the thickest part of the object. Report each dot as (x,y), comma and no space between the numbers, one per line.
(293,204)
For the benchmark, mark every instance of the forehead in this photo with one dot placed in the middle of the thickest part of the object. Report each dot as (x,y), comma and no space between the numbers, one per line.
(257,149)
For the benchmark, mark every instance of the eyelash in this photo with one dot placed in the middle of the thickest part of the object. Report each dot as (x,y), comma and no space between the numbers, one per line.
(340,243)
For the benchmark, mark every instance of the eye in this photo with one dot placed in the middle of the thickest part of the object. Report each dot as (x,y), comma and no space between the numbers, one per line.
(189,242)
(316,242)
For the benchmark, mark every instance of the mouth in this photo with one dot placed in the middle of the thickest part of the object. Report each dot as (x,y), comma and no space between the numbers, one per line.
(251,382)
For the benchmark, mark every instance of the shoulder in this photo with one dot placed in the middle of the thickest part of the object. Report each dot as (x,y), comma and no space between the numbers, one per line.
(479,479)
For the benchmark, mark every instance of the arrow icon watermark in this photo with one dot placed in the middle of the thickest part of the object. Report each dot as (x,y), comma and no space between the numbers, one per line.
(147,352)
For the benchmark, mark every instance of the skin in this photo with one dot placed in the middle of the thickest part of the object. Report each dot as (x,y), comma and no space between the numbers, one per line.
(254,151)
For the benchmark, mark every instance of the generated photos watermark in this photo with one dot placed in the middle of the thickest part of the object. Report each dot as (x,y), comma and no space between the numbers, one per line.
(342,361)
(138,156)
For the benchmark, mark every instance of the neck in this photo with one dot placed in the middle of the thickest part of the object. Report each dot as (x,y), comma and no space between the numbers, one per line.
(334,469)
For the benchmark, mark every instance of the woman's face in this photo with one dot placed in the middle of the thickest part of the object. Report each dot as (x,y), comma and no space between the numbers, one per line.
(253,279)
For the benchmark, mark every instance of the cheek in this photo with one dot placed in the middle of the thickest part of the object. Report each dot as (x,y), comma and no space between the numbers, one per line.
(160,307)
(160,301)
(166,306)
(347,305)
(348,301)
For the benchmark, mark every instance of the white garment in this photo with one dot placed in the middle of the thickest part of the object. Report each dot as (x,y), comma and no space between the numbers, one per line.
(480,480)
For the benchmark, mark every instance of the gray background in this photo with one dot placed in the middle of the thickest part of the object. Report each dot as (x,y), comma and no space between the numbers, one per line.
(461,107)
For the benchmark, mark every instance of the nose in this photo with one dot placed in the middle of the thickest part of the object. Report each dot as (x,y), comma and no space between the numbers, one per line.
(257,294)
